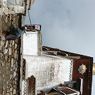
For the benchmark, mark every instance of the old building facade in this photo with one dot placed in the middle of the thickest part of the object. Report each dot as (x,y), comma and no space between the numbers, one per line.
(9,58)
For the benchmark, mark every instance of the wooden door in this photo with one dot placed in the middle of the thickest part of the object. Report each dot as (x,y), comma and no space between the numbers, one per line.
(85,75)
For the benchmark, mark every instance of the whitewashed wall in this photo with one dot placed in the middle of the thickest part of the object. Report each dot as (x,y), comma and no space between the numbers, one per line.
(93,86)
(48,70)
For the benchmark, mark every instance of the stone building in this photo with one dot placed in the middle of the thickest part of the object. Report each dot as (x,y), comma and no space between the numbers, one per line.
(9,58)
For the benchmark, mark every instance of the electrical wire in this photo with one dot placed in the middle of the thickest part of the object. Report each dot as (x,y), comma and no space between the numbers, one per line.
(31,1)
(29,17)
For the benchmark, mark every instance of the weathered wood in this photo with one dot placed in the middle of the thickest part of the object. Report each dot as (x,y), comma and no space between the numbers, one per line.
(31,85)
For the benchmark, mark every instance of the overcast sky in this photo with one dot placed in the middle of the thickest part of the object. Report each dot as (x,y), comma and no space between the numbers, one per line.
(66,24)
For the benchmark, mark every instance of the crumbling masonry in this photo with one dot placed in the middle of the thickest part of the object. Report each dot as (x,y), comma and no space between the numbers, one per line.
(9,59)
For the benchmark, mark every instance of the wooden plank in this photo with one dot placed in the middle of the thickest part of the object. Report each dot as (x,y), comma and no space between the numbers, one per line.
(31,85)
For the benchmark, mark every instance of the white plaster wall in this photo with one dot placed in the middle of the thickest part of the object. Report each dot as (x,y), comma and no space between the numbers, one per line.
(93,86)
(48,70)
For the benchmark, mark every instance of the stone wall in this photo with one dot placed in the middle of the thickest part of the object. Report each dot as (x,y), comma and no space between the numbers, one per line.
(9,59)
(9,67)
